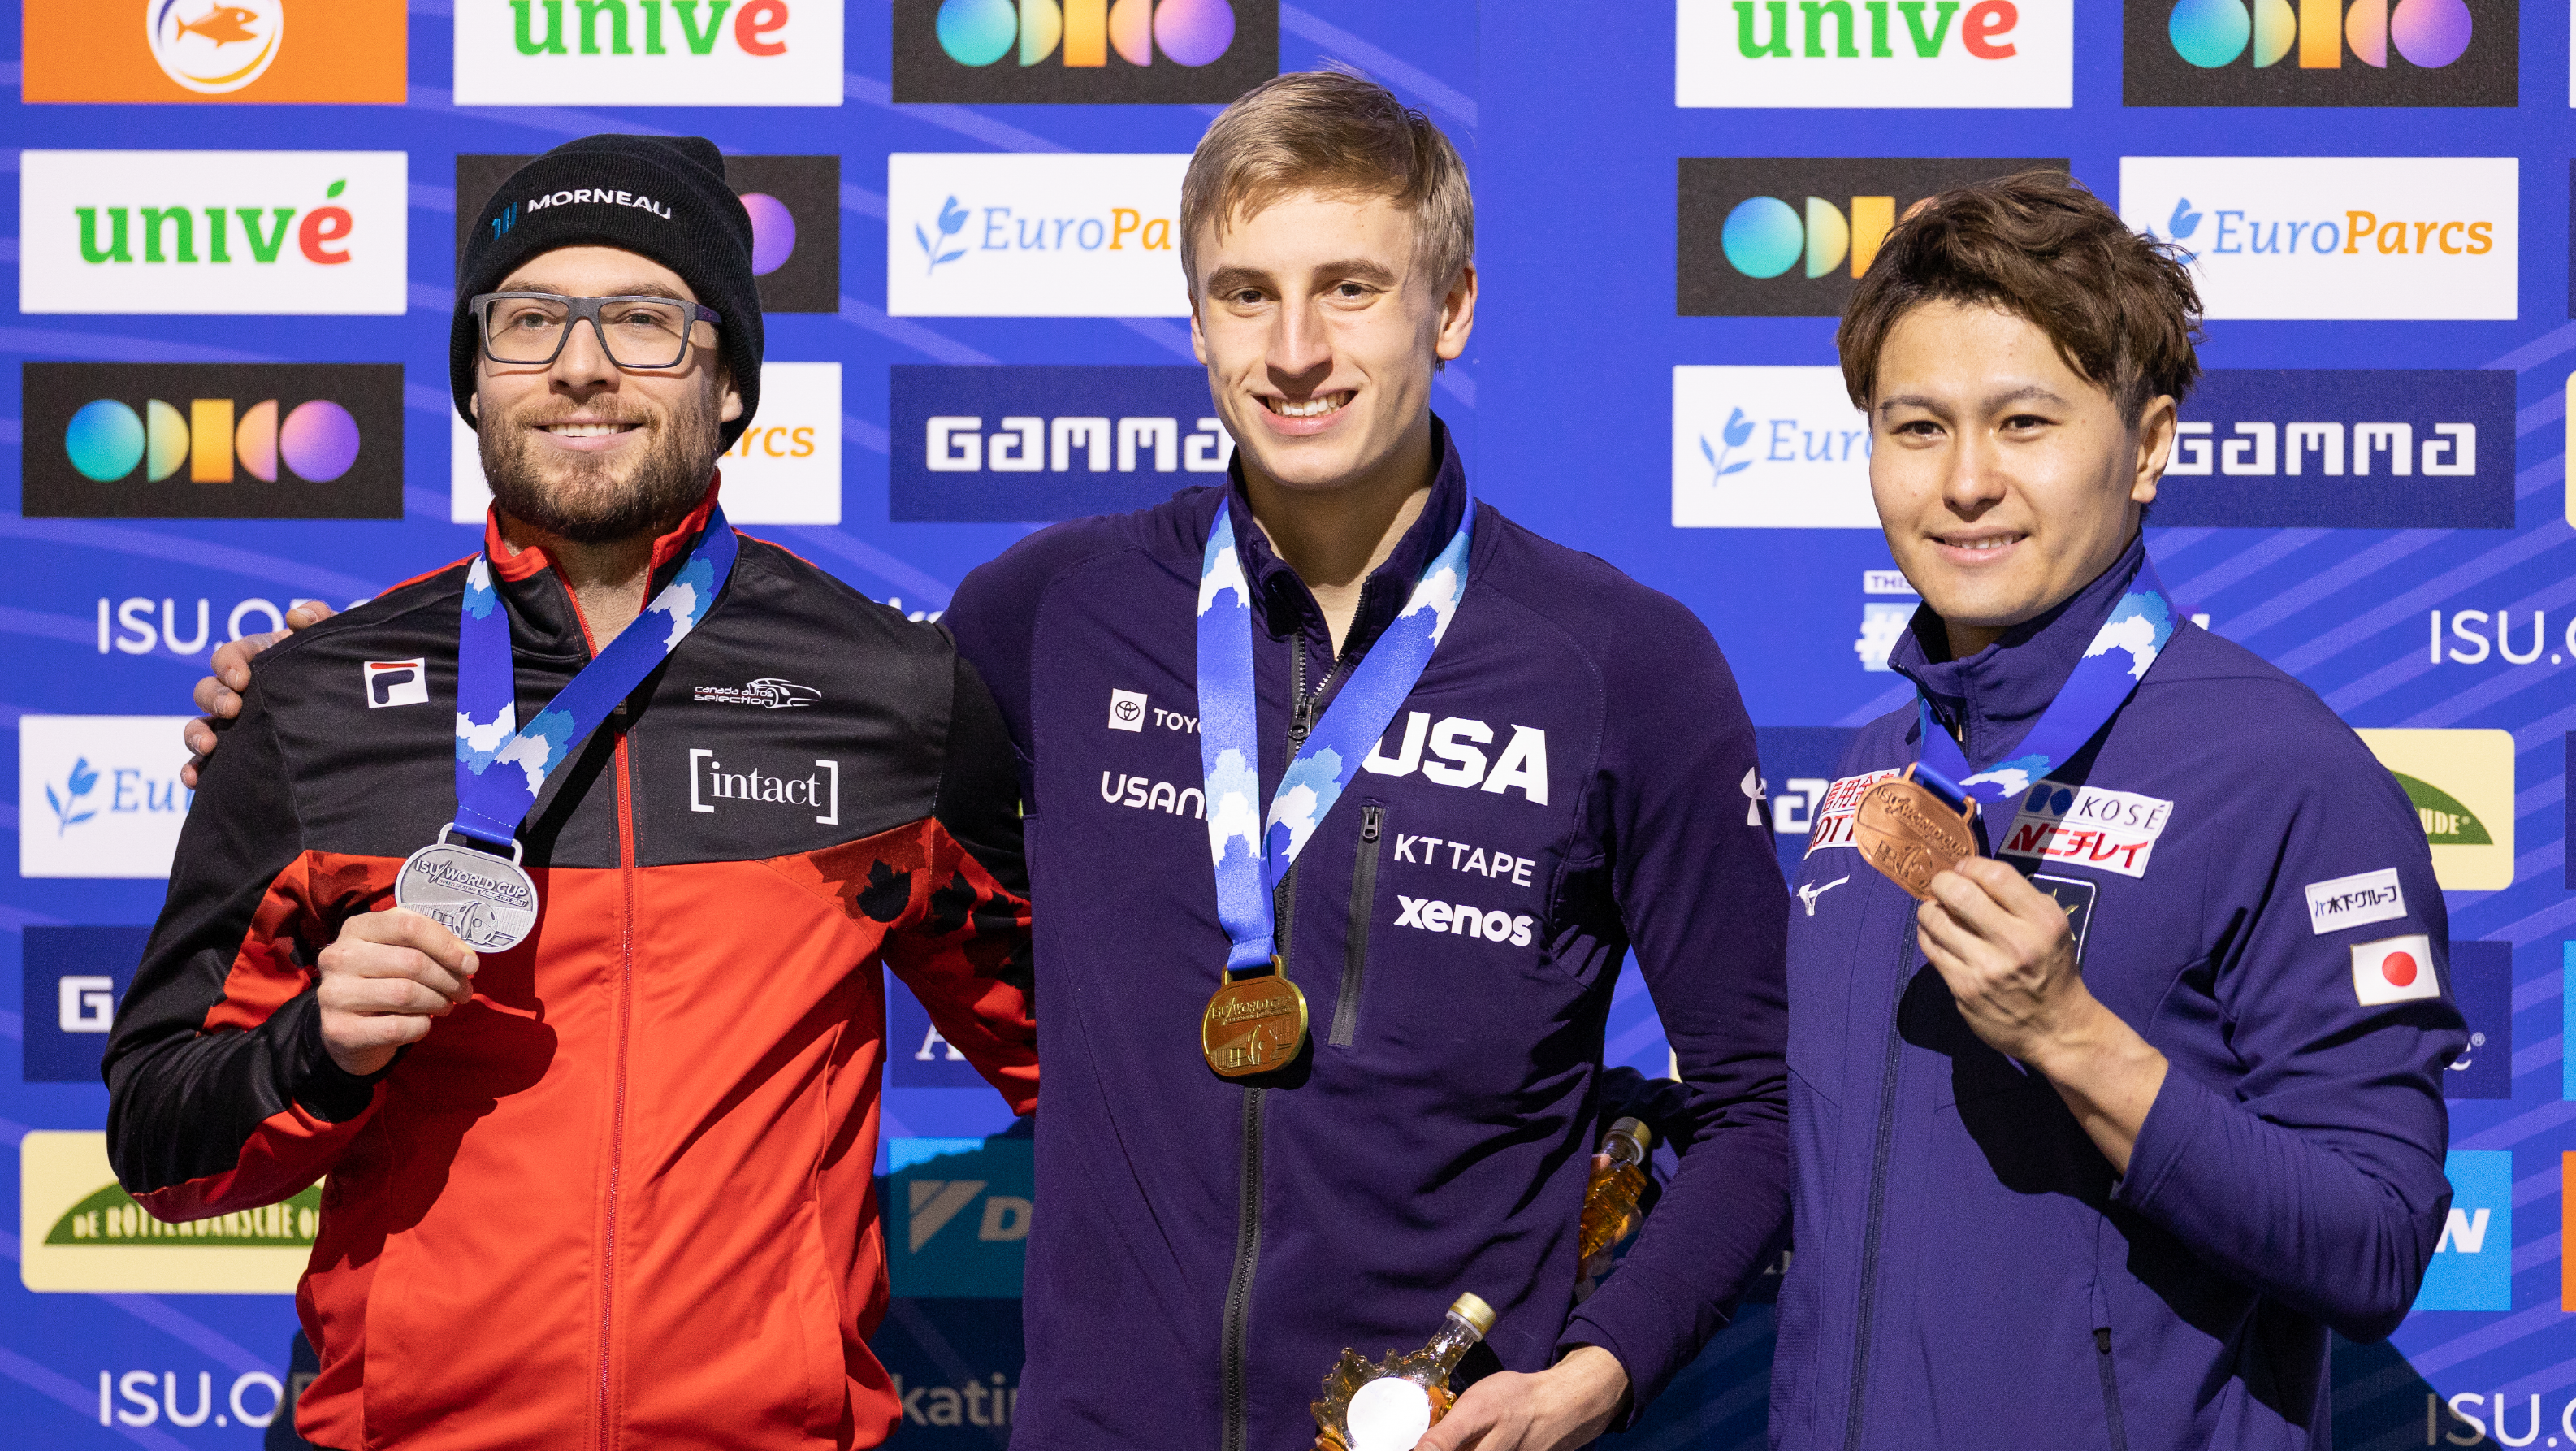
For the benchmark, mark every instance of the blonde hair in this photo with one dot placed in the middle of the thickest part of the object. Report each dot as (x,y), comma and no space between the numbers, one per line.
(1337,133)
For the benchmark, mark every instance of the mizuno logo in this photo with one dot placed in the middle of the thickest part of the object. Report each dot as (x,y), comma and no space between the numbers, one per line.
(1810,893)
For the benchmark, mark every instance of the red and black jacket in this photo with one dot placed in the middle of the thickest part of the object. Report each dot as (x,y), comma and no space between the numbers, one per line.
(623,1196)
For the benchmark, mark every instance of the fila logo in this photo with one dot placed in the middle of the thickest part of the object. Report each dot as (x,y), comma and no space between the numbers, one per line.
(1457,758)
(712,783)
(1460,919)
(1127,710)
(397,682)
(2394,970)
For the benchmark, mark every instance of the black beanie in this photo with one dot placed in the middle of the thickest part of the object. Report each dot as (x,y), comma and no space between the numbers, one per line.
(656,196)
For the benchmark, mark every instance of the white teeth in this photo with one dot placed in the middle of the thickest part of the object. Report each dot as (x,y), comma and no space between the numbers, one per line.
(1979,546)
(1315,407)
(584,430)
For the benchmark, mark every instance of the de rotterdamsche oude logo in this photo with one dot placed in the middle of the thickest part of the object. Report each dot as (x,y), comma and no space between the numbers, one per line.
(2319,53)
(987,51)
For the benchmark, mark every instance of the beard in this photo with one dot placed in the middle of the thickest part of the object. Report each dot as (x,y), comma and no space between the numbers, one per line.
(591,501)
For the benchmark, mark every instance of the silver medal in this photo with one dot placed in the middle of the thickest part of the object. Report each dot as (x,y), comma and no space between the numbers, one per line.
(488,902)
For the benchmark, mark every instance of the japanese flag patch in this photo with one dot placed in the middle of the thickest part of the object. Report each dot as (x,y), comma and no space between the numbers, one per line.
(2394,970)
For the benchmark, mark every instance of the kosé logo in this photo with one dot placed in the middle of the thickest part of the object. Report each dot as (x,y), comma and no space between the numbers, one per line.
(1013,442)
(1768,448)
(99,795)
(985,234)
(1770,53)
(2257,53)
(212,231)
(2336,237)
(648,52)
(1787,237)
(987,52)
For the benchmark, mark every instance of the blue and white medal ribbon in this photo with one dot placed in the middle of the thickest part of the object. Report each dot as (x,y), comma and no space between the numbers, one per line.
(1247,1028)
(489,902)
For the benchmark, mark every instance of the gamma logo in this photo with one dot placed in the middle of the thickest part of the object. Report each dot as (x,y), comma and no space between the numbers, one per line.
(986,52)
(2461,785)
(212,441)
(795,207)
(2265,53)
(2292,448)
(1786,237)
(1983,53)
(1002,443)
(648,52)
(260,51)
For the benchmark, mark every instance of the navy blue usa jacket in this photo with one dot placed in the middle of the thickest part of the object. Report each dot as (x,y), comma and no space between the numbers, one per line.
(2250,891)
(1573,776)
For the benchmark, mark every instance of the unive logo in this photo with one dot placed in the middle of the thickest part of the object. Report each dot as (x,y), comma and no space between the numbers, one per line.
(1870,53)
(1004,234)
(2319,53)
(2296,448)
(99,795)
(1787,237)
(2461,785)
(1030,443)
(213,47)
(794,203)
(1207,51)
(648,52)
(1768,448)
(244,440)
(2336,237)
(216,50)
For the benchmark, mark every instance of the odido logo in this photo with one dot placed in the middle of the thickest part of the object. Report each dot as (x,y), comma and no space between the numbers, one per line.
(1980,53)
(1786,237)
(223,50)
(2267,53)
(246,440)
(212,231)
(648,52)
(988,51)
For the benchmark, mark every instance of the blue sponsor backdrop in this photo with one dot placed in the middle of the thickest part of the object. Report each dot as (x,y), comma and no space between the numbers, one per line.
(1563,407)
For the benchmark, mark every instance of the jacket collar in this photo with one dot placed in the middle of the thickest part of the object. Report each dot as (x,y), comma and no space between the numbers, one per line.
(2000,692)
(544,622)
(1291,606)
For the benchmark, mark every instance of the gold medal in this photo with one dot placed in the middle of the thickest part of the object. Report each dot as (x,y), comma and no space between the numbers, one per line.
(1254,1024)
(1912,835)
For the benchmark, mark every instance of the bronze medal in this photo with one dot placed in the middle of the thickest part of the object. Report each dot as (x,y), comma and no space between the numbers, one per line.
(1911,835)
(1254,1024)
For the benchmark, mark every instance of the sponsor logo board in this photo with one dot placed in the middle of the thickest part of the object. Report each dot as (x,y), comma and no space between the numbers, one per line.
(1768,53)
(99,795)
(785,469)
(2461,784)
(212,231)
(212,440)
(2336,237)
(648,53)
(2347,448)
(2481,975)
(75,977)
(2472,1266)
(79,1233)
(990,52)
(259,51)
(795,207)
(959,1213)
(1788,236)
(1009,234)
(2223,53)
(1030,443)
(1769,448)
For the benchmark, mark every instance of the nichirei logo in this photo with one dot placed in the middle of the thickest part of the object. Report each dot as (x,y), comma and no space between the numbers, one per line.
(1982,53)
(1768,448)
(795,207)
(2461,785)
(2319,53)
(212,232)
(2336,237)
(1005,234)
(784,469)
(2306,448)
(212,441)
(1787,236)
(262,51)
(999,51)
(99,795)
(1029,443)
(648,52)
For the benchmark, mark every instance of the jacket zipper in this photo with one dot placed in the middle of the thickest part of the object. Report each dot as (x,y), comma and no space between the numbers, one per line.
(2110,1389)
(1346,1009)
(1879,1154)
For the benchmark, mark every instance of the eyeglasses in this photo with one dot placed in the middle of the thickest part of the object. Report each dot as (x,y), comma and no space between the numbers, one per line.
(524,328)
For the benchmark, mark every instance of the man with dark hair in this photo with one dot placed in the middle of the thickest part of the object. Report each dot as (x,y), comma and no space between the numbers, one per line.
(2097,1142)
(582,1021)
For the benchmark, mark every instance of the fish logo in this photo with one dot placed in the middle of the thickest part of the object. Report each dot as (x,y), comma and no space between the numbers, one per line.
(214,48)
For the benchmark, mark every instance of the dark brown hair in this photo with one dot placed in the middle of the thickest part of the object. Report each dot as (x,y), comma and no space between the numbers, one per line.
(2119,306)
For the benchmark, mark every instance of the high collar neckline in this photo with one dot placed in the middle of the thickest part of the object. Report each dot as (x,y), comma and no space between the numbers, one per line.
(1389,585)
(517,564)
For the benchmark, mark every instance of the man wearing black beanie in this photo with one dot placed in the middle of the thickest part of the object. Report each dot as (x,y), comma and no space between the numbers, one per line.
(581,1018)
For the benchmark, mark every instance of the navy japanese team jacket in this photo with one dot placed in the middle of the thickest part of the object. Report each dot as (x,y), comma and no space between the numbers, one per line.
(2248,889)
(1572,776)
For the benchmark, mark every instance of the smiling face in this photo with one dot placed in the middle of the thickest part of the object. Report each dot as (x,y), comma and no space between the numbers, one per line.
(583,448)
(1320,331)
(2005,480)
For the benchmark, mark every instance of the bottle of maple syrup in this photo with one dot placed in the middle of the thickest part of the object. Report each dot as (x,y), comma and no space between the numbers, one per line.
(1387,1407)
(1610,1202)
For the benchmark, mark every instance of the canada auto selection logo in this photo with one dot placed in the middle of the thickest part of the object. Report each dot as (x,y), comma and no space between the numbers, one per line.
(2266,53)
(1770,53)
(795,208)
(146,440)
(1745,249)
(1175,51)
(768,693)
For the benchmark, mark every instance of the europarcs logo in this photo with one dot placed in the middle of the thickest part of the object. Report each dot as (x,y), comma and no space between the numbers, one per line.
(989,51)
(2319,53)
(1002,234)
